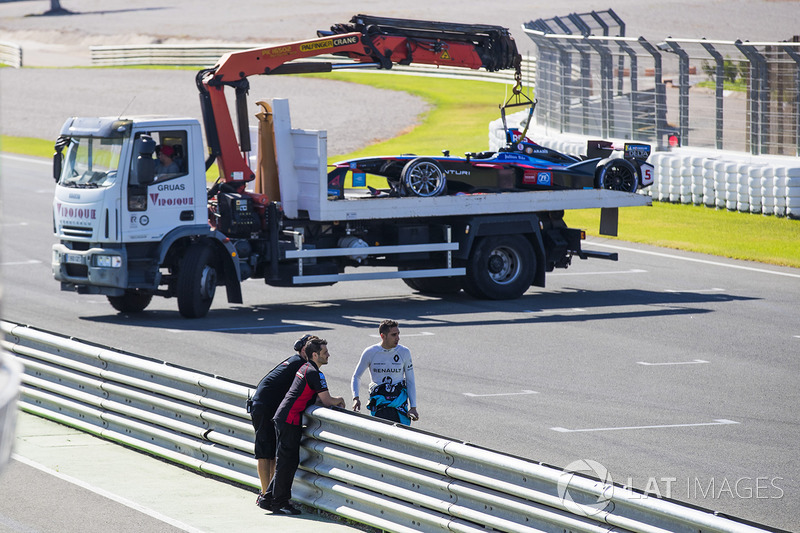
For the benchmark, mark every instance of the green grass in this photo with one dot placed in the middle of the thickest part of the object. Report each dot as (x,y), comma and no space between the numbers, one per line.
(738,85)
(457,120)
(766,239)
(27,146)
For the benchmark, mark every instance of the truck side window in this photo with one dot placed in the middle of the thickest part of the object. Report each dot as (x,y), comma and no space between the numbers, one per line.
(171,160)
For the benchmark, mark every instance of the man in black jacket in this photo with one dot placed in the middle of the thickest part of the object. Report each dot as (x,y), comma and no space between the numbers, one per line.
(308,387)
(269,394)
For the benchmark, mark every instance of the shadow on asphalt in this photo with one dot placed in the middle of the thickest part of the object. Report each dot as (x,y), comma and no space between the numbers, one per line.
(417,310)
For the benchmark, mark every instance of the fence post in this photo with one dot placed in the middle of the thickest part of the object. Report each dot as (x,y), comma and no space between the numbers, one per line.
(606,86)
(796,58)
(719,86)
(660,93)
(758,98)
(683,88)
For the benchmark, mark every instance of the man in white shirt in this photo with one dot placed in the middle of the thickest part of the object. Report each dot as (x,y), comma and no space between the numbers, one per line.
(393,393)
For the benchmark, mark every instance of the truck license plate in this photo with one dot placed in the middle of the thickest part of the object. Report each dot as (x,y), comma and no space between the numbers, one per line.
(74,259)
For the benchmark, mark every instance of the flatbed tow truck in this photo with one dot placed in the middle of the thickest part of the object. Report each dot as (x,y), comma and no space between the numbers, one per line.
(129,232)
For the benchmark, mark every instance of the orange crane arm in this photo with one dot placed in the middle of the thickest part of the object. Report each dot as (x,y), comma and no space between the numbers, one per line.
(368,41)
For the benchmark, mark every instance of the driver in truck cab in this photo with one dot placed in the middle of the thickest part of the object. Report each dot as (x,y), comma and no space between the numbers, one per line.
(165,163)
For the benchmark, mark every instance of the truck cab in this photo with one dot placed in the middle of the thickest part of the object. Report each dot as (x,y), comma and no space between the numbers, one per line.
(114,200)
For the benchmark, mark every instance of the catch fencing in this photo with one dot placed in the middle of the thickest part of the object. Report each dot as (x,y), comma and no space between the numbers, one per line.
(594,80)
(388,476)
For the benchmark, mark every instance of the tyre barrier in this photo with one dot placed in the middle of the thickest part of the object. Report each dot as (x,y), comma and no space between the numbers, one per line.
(757,184)
(388,476)
(10,54)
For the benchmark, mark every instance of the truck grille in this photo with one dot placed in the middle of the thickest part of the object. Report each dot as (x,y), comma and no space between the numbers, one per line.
(76,232)
(77,271)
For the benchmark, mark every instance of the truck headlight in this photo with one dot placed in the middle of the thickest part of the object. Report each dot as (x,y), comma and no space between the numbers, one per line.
(108,261)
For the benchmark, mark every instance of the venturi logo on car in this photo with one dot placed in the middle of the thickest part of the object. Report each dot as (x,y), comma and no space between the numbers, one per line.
(532,177)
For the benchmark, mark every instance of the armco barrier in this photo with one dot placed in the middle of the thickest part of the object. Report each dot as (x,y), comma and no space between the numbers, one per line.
(371,471)
(10,374)
(737,181)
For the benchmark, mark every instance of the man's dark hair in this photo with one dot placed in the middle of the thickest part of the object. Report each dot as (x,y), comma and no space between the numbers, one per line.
(314,346)
(386,325)
(302,341)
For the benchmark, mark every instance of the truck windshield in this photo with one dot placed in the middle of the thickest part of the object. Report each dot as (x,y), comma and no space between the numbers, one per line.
(91,162)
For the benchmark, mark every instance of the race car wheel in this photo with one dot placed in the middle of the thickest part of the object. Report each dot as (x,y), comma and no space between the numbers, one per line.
(132,301)
(618,175)
(197,281)
(500,268)
(422,177)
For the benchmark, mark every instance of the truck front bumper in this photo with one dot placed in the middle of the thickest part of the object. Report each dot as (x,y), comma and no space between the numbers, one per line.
(96,270)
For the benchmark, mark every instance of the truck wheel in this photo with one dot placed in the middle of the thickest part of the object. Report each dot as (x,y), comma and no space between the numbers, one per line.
(618,175)
(500,268)
(197,281)
(422,177)
(130,302)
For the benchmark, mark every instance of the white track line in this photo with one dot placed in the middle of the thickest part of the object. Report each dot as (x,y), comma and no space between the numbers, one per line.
(694,260)
(104,493)
(473,395)
(695,362)
(720,422)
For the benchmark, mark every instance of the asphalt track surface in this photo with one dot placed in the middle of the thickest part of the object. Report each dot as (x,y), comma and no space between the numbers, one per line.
(643,362)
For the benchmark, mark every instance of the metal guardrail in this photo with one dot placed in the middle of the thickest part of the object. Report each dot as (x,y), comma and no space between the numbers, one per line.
(10,54)
(208,54)
(10,375)
(378,473)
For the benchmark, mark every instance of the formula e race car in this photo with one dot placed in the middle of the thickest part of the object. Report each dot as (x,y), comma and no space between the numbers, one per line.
(520,165)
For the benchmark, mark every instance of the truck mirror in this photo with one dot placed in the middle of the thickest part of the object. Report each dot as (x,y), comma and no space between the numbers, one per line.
(144,170)
(57,162)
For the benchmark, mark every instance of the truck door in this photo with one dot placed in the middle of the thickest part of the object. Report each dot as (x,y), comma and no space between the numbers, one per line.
(164,190)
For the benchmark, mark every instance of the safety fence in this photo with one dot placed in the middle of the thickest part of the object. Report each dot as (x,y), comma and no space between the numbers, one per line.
(207,55)
(736,181)
(10,54)
(594,80)
(381,474)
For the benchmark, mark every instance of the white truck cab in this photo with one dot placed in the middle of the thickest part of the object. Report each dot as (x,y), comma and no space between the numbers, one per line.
(112,190)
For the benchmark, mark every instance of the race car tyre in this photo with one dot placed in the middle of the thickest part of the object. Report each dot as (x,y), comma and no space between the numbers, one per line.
(618,175)
(500,268)
(132,301)
(197,281)
(422,177)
